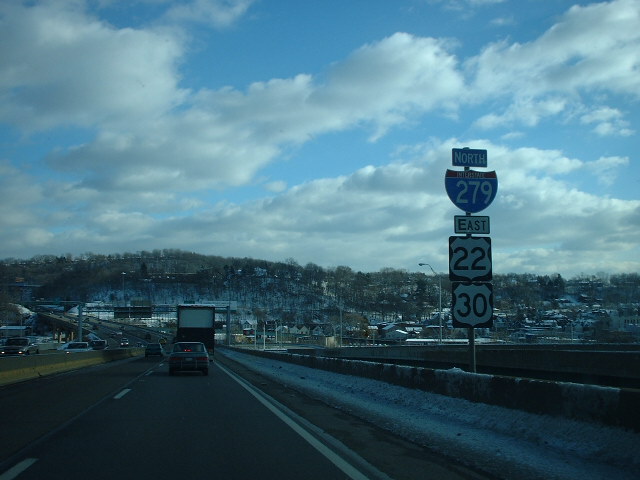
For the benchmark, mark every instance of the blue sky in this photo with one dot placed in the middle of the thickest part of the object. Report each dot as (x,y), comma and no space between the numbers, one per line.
(320,131)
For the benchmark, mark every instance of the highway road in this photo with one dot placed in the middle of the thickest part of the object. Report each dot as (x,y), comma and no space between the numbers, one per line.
(130,419)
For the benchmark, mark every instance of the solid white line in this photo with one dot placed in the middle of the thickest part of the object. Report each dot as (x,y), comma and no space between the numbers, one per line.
(334,458)
(119,396)
(18,468)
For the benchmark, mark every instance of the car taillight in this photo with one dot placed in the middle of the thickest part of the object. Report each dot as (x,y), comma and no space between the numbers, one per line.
(201,359)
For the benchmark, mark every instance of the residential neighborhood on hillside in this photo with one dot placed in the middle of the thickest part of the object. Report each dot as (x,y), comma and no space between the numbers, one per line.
(286,300)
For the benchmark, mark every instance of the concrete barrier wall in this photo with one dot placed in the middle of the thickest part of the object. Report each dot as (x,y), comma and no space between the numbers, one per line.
(607,405)
(17,369)
(620,362)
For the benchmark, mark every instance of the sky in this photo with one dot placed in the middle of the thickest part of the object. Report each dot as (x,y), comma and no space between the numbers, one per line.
(320,131)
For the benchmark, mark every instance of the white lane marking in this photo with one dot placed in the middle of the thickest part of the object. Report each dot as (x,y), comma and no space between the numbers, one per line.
(333,457)
(119,396)
(18,468)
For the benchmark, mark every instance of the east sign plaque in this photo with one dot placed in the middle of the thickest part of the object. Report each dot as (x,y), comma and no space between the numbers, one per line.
(471,224)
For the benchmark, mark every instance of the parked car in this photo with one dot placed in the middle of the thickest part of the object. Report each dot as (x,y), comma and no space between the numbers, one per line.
(73,347)
(19,346)
(98,344)
(189,356)
(153,349)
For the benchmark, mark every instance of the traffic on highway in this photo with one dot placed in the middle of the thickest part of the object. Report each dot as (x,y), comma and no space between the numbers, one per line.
(103,335)
(132,419)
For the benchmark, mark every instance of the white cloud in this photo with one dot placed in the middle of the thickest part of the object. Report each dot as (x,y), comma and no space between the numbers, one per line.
(524,111)
(606,168)
(399,214)
(609,121)
(217,13)
(276,186)
(591,49)
(465,5)
(503,21)
(223,138)
(62,67)
(384,82)
(140,181)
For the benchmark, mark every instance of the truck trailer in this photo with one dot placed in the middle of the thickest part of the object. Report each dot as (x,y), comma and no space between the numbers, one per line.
(196,323)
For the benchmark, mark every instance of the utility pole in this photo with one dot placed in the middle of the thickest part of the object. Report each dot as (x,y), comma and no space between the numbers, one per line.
(439,299)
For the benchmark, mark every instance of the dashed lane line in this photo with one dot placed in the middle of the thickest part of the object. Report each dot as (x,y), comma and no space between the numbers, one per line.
(119,395)
(18,468)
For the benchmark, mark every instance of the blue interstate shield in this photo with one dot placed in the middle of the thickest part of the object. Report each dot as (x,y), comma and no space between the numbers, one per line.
(469,190)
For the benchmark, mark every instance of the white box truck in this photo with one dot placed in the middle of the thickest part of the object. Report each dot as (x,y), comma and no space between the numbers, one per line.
(196,323)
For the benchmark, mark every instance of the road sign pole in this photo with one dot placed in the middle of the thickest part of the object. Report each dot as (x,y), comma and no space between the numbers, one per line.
(472,349)
(471,333)
(470,264)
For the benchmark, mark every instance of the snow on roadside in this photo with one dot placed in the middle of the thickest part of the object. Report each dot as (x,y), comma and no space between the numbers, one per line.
(508,443)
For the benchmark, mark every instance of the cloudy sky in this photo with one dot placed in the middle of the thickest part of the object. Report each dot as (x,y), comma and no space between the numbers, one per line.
(320,130)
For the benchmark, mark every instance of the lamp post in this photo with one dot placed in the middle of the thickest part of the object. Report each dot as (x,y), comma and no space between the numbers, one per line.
(123,298)
(340,326)
(439,298)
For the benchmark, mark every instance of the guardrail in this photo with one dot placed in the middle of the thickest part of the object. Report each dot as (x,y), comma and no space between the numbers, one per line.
(610,365)
(18,369)
(607,405)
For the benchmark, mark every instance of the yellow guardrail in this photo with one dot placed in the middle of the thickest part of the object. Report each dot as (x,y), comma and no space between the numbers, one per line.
(18,369)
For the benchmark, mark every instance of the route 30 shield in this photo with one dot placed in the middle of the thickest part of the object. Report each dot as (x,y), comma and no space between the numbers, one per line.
(472,305)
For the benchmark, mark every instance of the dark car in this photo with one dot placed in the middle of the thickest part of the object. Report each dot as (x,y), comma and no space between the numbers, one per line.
(98,344)
(153,349)
(19,346)
(189,357)
(124,342)
(73,347)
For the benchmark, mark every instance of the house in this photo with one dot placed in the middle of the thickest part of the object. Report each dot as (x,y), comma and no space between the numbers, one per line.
(299,330)
(393,331)
(321,330)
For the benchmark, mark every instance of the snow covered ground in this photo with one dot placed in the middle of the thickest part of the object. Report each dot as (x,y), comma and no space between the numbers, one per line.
(508,443)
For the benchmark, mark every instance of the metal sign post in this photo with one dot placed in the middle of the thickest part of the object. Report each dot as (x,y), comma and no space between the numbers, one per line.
(470,260)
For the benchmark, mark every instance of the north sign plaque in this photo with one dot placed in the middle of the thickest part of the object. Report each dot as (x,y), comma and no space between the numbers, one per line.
(468,157)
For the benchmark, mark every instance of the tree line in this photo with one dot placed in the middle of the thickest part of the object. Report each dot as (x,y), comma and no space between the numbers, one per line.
(172,276)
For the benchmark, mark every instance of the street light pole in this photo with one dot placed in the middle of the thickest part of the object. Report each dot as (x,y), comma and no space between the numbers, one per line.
(123,298)
(340,326)
(439,298)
